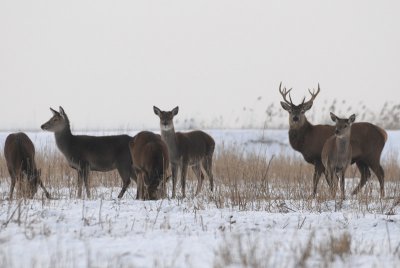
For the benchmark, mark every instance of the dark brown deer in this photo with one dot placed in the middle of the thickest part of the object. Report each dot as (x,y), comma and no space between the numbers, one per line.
(19,152)
(86,153)
(193,148)
(367,141)
(337,152)
(150,159)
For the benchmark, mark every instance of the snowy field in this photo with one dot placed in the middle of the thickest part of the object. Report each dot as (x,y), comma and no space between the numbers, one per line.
(195,232)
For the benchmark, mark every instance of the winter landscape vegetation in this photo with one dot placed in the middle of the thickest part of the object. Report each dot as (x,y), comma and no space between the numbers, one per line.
(109,62)
(260,214)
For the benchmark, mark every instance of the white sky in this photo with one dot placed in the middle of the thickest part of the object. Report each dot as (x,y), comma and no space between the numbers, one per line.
(108,62)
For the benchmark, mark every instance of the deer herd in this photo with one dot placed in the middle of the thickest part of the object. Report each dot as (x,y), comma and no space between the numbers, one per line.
(149,158)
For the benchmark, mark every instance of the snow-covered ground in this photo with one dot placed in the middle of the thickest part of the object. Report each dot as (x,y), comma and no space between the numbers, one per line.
(105,232)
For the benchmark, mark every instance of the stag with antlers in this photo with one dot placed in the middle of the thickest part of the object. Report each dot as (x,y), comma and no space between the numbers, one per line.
(367,141)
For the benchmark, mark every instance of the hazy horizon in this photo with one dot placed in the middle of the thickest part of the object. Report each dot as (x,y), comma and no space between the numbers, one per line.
(107,63)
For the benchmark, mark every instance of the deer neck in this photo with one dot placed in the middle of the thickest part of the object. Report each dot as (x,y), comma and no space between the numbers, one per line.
(343,144)
(63,138)
(297,135)
(169,137)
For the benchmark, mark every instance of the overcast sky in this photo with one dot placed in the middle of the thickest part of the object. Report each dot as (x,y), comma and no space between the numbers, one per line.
(108,62)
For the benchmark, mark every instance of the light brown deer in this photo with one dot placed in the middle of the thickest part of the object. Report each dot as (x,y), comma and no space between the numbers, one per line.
(337,152)
(193,148)
(150,160)
(19,152)
(367,141)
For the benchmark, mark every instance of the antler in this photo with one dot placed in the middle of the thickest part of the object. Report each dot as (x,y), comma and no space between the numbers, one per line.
(284,93)
(313,94)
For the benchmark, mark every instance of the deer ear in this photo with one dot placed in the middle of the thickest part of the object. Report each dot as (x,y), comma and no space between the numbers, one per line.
(62,111)
(285,106)
(54,111)
(156,110)
(175,110)
(352,118)
(333,117)
(307,106)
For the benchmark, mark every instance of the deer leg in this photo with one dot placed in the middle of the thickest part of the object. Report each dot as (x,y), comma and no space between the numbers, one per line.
(12,186)
(85,174)
(125,173)
(342,181)
(365,174)
(44,189)
(80,183)
(140,182)
(207,165)
(335,182)
(174,170)
(200,177)
(318,170)
(183,178)
(379,172)
(330,177)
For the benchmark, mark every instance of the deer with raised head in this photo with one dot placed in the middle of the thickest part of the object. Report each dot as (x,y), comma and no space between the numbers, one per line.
(86,153)
(19,153)
(193,149)
(150,160)
(337,152)
(367,141)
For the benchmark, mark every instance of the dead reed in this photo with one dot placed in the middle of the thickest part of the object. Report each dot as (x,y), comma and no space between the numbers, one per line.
(247,181)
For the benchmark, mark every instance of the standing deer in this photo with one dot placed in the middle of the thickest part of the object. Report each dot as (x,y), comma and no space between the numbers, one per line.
(193,148)
(367,141)
(86,153)
(19,152)
(150,159)
(337,152)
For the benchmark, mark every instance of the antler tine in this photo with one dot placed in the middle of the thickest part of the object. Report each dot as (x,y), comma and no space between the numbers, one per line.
(314,94)
(284,92)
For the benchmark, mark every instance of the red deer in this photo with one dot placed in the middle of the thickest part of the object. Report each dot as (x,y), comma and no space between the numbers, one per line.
(150,159)
(86,153)
(337,151)
(367,141)
(193,148)
(19,152)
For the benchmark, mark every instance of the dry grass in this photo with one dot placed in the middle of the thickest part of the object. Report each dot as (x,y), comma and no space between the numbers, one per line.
(243,181)
(247,181)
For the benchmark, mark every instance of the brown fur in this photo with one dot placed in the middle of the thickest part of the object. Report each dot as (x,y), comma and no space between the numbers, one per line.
(367,141)
(193,148)
(336,153)
(19,153)
(150,160)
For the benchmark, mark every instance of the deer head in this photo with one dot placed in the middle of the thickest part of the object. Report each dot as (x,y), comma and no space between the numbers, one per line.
(33,181)
(296,112)
(166,117)
(343,125)
(58,122)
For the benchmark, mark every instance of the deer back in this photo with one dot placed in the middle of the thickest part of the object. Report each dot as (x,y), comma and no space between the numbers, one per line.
(195,145)
(367,141)
(19,152)
(148,151)
(150,156)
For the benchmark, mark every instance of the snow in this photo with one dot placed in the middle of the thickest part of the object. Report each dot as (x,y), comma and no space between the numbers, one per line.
(194,232)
